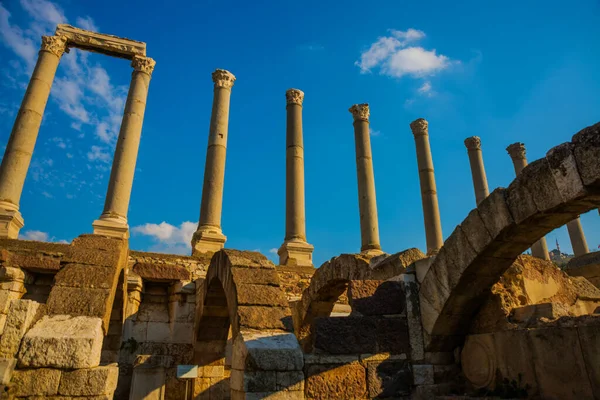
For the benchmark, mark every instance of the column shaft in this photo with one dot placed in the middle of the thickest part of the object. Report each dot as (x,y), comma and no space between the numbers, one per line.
(577,237)
(113,221)
(517,153)
(209,237)
(480,184)
(367,202)
(431,211)
(295,251)
(19,149)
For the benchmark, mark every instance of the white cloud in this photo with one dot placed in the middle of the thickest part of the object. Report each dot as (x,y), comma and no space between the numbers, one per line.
(15,39)
(273,251)
(169,238)
(374,133)
(47,195)
(34,235)
(425,89)
(98,153)
(86,23)
(393,56)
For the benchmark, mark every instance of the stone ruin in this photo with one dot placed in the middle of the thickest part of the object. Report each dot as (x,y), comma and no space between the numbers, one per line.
(472,317)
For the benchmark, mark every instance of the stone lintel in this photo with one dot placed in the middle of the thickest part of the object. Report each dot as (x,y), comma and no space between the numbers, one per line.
(296,253)
(111,228)
(205,241)
(11,223)
(101,43)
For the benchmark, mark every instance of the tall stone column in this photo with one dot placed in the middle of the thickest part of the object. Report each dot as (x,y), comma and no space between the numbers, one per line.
(209,237)
(431,210)
(295,251)
(367,202)
(113,221)
(577,237)
(517,153)
(480,184)
(19,149)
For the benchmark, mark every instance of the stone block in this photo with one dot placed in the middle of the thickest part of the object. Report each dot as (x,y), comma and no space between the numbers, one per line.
(256,276)
(392,335)
(35,263)
(336,381)
(154,312)
(98,242)
(158,332)
(423,374)
(262,295)
(21,315)
(375,297)
(587,153)
(514,358)
(478,359)
(35,382)
(413,316)
(260,317)
(270,351)
(563,166)
(237,395)
(290,381)
(359,333)
(87,276)
(559,364)
(534,312)
(78,255)
(253,381)
(494,212)
(389,379)
(6,297)
(2,323)
(589,337)
(89,381)
(13,274)
(161,272)
(77,302)
(7,366)
(62,341)
(183,332)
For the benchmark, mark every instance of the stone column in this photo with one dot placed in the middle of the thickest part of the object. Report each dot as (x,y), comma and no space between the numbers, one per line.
(431,211)
(209,237)
(480,185)
(295,251)
(19,149)
(113,221)
(577,237)
(517,153)
(367,203)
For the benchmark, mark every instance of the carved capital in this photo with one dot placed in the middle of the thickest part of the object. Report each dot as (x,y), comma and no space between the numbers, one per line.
(56,45)
(294,96)
(516,151)
(473,143)
(360,112)
(419,127)
(223,78)
(143,64)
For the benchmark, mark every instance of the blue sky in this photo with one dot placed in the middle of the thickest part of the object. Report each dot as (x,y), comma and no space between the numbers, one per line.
(505,71)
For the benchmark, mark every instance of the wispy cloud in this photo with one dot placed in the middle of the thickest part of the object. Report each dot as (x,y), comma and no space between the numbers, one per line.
(98,153)
(86,23)
(34,235)
(425,89)
(167,237)
(395,55)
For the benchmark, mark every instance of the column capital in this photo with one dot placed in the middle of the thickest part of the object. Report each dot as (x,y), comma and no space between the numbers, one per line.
(516,151)
(294,96)
(473,143)
(360,112)
(223,78)
(143,64)
(419,127)
(56,45)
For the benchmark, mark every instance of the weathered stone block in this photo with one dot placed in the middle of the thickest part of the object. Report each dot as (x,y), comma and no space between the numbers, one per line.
(260,317)
(253,381)
(250,294)
(6,297)
(89,381)
(158,332)
(161,272)
(376,297)
(77,302)
(256,276)
(423,374)
(36,263)
(155,312)
(494,212)
(21,315)
(392,335)
(7,366)
(290,381)
(514,359)
(336,381)
(87,276)
(266,351)
(587,154)
(359,333)
(35,382)
(78,255)
(62,341)
(183,332)
(589,337)
(389,379)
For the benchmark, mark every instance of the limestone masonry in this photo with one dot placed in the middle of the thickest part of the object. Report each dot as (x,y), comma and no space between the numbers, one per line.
(472,317)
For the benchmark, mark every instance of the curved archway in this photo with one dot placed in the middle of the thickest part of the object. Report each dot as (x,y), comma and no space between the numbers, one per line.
(547,194)
(242,301)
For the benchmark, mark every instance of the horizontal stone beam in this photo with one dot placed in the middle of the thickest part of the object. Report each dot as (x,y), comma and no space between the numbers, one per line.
(101,43)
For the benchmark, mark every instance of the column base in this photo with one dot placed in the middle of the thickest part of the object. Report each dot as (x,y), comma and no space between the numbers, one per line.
(207,241)
(296,253)
(111,227)
(372,252)
(11,222)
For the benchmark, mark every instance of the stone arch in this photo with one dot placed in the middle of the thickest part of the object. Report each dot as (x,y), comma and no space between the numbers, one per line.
(547,194)
(242,295)
(332,280)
